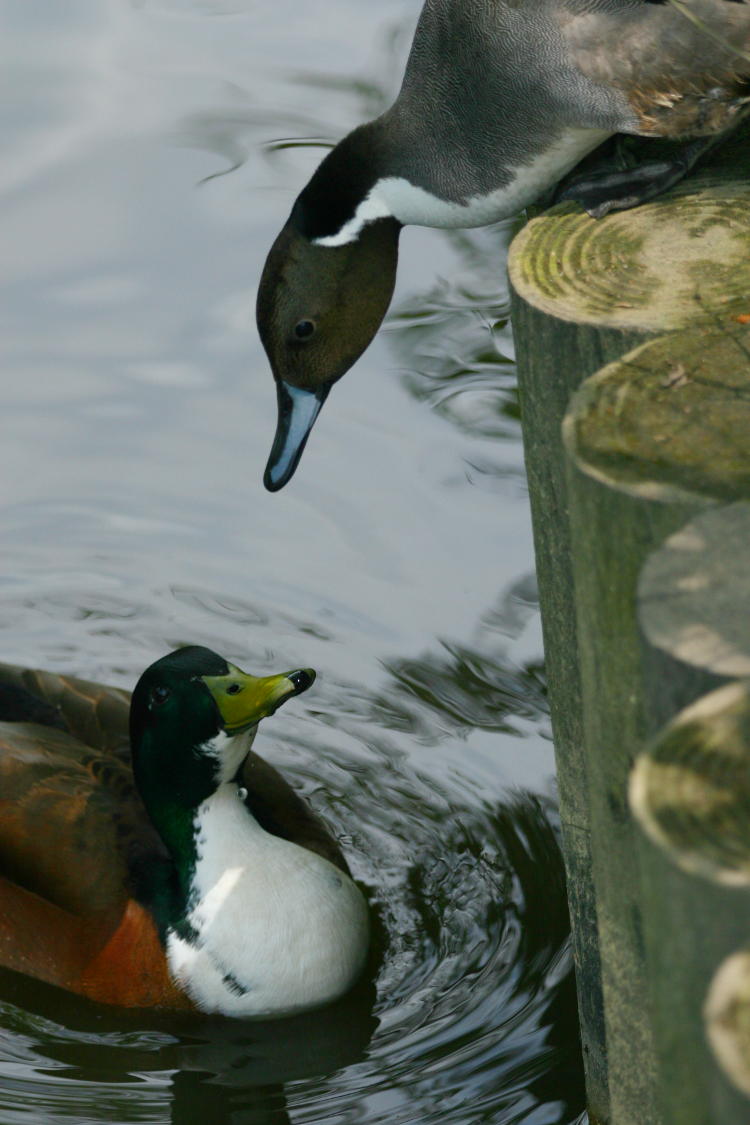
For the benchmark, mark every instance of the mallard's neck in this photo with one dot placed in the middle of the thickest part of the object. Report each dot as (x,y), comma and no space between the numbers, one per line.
(176,802)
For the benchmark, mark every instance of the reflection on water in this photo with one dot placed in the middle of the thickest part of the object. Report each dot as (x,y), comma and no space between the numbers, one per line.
(460,688)
(454,342)
(153,148)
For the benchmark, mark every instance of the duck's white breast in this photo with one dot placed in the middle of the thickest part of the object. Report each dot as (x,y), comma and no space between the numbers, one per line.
(271,927)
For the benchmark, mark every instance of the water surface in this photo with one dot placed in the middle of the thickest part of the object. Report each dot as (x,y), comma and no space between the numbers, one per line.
(152,150)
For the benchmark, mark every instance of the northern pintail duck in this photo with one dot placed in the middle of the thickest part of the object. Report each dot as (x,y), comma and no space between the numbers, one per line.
(500,100)
(194,877)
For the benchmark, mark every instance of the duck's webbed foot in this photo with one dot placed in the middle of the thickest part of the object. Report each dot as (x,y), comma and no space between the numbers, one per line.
(605,191)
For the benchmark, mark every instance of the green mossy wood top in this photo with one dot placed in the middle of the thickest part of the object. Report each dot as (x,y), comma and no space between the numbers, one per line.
(671,419)
(656,268)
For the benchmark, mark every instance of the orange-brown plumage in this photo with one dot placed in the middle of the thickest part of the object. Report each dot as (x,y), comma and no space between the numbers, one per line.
(109,958)
(76,841)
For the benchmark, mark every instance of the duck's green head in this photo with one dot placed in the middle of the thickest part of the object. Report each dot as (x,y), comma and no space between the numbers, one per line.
(318,308)
(192,720)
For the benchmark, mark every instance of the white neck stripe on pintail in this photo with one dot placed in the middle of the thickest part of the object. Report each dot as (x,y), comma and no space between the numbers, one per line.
(371,208)
(396,197)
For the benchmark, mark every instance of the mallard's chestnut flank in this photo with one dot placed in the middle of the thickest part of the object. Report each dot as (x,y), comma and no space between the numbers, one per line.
(169,866)
(500,100)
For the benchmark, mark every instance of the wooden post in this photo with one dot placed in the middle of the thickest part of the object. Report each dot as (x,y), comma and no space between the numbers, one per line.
(587,293)
(656,439)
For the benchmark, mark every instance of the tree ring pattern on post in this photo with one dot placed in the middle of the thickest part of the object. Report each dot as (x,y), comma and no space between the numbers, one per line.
(670,420)
(694,592)
(727,1019)
(690,790)
(653,269)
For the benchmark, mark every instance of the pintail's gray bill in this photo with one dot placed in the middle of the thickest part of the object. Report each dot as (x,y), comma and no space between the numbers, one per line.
(298,410)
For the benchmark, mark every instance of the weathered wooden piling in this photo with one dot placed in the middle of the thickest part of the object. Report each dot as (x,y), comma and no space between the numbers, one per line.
(634,331)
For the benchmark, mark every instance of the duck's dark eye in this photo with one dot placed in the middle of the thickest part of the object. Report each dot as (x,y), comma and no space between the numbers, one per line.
(234,689)
(159,695)
(303,329)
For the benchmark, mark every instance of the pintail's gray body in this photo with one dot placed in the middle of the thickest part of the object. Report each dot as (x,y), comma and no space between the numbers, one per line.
(517,96)
(500,99)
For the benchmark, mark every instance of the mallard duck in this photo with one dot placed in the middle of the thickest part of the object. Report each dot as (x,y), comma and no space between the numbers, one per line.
(500,99)
(171,867)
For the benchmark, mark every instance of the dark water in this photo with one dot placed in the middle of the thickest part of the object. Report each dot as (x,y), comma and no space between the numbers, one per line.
(151,150)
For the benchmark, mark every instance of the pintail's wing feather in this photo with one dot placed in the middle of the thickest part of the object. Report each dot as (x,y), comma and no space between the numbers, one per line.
(684,67)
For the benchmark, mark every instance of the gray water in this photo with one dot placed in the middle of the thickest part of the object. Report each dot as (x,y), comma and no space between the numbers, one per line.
(151,150)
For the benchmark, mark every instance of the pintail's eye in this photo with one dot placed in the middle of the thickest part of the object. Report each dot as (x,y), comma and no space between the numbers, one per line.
(159,695)
(304,329)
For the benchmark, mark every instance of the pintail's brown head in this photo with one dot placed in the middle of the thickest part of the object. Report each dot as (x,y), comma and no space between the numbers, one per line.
(318,308)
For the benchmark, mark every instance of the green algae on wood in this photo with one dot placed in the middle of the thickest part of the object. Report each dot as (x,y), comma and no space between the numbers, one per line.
(657,268)
(644,462)
(671,419)
(576,308)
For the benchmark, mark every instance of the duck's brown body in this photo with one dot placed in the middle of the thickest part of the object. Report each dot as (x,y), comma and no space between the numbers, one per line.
(76,843)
